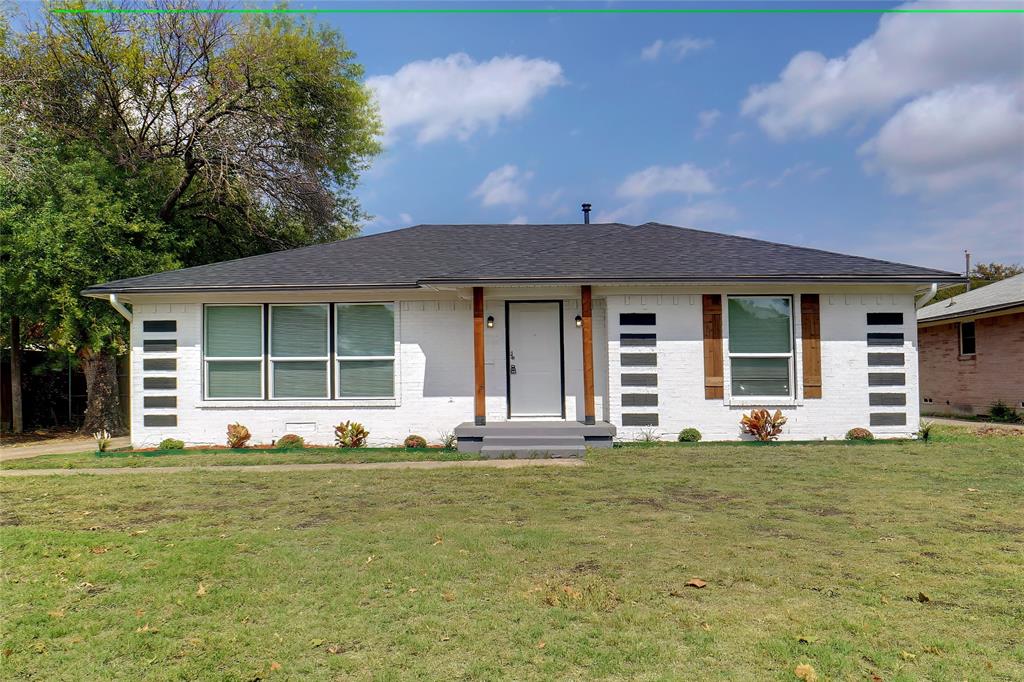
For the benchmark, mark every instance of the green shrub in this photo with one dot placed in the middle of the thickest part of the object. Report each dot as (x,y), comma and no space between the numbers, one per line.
(415,441)
(350,435)
(690,435)
(290,441)
(171,444)
(859,434)
(1001,412)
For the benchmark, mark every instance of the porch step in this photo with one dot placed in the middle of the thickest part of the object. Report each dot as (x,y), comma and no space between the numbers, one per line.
(526,439)
(545,440)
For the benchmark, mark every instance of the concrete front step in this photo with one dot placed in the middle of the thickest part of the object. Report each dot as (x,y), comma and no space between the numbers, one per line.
(528,451)
(533,438)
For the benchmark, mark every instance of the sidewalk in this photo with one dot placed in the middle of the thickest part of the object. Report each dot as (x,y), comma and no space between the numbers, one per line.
(61,446)
(967,422)
(326,466)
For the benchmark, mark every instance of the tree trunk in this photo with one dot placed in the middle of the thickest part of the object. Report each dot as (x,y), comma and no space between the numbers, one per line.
(103,404)
(17,423)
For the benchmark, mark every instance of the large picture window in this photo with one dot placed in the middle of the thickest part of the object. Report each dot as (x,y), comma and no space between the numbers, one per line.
(233,351)
(299,351)
(761,345)
(365,350)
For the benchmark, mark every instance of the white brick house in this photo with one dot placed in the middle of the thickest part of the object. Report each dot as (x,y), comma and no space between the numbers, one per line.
(423,329)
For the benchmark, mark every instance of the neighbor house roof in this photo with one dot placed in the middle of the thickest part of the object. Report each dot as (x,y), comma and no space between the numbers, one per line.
(1007,293)
(513,254)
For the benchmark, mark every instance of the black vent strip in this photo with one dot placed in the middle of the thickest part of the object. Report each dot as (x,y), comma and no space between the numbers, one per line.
(639,399)
(885,359)
(885,338)
(888,419)
(639,419)
(159,364)
(159,401)
(887,379)
(639,359)
(159,383)
(887,399)
(159,345)
(637,319)
(159,420)
(639,380)
(159,326)
(638,340)
(888,319)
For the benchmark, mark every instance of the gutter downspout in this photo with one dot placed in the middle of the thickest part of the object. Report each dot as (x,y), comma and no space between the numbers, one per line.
(125,313)
(926,299)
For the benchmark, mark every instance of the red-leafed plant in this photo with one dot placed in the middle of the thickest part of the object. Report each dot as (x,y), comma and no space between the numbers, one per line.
(238,436)
(762,424)
(415,441)
(350,435)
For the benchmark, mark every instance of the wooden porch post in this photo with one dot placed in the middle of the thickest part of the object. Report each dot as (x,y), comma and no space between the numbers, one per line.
(588,354)
(480,394)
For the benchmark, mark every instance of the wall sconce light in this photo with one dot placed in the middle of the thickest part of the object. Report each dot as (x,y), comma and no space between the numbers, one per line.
(579,321)
(490,321)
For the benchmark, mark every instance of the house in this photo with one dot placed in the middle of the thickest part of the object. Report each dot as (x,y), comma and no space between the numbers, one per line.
(972,350)
(525,338)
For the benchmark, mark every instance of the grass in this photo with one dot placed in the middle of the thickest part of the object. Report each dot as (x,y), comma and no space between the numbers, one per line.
(901,560)
(163,458)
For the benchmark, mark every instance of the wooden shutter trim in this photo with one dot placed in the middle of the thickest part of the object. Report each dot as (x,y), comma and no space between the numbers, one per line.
(810,323)
(714,374)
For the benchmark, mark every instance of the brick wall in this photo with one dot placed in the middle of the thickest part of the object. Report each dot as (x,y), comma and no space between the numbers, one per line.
(951,383)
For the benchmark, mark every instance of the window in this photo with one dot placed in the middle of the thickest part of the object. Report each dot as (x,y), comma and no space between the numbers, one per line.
(365,350)
(299,351)
(967,344)
(233,351)
(761,345)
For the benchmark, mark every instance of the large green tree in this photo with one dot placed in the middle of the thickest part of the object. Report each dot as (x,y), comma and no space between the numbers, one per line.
(195,137)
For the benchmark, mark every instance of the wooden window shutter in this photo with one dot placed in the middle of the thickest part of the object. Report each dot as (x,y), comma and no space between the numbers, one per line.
(810,322)
(714,381)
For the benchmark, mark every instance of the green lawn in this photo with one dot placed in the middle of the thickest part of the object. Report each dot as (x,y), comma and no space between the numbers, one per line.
(904,561)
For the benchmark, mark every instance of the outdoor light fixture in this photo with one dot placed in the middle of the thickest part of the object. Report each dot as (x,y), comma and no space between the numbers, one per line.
(490,321)
(579,321)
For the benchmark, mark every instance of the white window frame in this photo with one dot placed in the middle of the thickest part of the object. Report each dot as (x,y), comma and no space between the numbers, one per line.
(790,356)
(207,360)
(337,359)
(286,359)
(960,338)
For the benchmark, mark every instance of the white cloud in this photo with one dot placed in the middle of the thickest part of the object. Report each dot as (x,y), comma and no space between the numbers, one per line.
(699,214)
(503,186)
(676,50)
(519,220)
(706,120)
(457,96)
(908,55)
(405,218)
(683,179)
(804,170)
(951,139)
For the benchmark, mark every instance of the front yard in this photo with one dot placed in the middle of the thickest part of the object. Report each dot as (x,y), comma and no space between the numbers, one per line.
(904,561)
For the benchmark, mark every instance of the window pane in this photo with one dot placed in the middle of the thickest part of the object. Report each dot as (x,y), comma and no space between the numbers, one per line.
(366,329)
(233,331)
(366,378)
(304,379)
(760,376)
(233,380)
(967,338)
(298,331)
(759,325)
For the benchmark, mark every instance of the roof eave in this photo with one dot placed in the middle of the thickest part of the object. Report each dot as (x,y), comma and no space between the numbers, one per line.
(93,292)
(973,312)
(755,279)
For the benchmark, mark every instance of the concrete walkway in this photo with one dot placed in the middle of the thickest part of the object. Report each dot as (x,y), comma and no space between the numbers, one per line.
(61,446)
(971,424)
(326,466)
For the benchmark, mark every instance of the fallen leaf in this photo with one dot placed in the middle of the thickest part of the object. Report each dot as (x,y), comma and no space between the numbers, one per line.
(413,590)
(335,649)
(370,558)
(805,672)
(201,590)
(59,613)
(972,490)
(445,638)
(146,628)
(696,582)
(99,550)
(923,598)
(448,596)
(907,656)
(706,626)
(572,592)
(139,612)
(274,665)
(876,678)
(438,540)
(541,644)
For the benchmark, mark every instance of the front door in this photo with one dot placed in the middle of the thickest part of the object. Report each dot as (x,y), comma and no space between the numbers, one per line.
(535,359)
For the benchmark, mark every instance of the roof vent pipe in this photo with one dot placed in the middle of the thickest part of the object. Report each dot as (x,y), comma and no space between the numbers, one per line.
(586,214)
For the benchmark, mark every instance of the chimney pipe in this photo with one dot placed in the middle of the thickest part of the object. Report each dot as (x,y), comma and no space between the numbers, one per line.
(967,258)
(586,214)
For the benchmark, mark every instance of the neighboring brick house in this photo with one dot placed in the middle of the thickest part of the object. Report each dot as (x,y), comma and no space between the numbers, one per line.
(971,350)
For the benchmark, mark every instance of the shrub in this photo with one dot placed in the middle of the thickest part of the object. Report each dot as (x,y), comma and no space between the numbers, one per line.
(647,434)
(449,441)
(290,441)
(415,441)
(925,432)
(350,435)
(690,435)
(102,440)
(1001,412)
(238,435)
(762,424)
(171,444)
(859,434)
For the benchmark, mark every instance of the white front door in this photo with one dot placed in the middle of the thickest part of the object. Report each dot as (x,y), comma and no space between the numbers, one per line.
(535,359)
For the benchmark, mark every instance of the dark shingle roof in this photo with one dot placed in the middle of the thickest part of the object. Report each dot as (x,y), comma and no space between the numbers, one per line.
(496,254)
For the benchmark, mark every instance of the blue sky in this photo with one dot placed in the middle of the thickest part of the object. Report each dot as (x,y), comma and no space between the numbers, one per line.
(899,137)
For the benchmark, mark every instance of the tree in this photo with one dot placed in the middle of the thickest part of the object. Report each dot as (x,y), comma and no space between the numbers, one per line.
(198,138)
(982,274)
